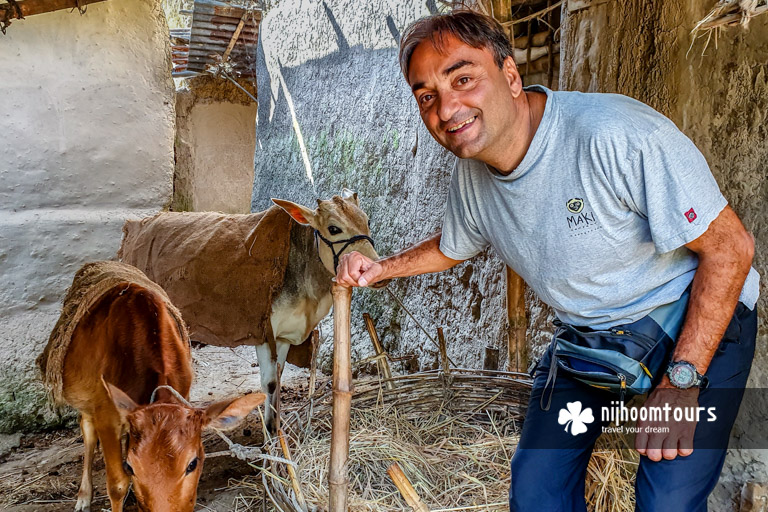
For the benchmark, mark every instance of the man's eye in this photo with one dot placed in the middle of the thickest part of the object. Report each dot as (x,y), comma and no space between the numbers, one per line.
(463,80)
(334,230)
(425,99)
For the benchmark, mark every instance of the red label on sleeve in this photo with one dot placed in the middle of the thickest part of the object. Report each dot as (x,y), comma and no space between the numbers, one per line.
(690,215)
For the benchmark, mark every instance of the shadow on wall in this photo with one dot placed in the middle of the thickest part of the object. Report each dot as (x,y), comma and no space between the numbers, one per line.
(348,118)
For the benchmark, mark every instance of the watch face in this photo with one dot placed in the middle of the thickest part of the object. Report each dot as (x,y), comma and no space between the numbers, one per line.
(682,376)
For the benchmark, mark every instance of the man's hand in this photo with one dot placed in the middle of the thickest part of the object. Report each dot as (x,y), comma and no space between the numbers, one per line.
(666,438)
(358,270)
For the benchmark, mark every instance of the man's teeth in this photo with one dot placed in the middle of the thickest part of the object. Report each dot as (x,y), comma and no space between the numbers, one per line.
(462,124)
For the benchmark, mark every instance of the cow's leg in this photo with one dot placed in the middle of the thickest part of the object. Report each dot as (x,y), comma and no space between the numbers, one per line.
(118,482)
(269,383)
(85,493)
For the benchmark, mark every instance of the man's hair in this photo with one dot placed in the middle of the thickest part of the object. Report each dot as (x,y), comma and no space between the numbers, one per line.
(471,28)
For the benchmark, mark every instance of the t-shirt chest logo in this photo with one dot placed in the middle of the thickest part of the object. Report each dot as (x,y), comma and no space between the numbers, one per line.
(580,218)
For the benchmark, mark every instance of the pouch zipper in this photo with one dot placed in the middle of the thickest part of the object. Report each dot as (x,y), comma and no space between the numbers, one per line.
(616,369)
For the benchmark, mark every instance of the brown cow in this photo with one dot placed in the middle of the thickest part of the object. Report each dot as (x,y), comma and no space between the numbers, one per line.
(126,345)
(262,279)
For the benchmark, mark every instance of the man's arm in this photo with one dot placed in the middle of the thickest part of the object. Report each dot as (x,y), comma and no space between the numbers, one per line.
(725,254)
(420,258)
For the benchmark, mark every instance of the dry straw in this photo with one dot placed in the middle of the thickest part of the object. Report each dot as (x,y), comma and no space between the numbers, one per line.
(452,435)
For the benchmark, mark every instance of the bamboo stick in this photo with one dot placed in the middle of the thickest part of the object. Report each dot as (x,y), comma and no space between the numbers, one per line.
(443,352)
(342,398)
(406,489)
(315,341)
(381,362)
(292,471)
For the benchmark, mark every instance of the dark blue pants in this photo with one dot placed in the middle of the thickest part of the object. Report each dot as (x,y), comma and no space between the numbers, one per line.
(550,464)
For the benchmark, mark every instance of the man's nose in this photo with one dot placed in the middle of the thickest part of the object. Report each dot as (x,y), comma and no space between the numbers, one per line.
(448,106)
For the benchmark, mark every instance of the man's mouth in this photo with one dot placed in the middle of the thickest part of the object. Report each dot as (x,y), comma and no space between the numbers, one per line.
(454,129)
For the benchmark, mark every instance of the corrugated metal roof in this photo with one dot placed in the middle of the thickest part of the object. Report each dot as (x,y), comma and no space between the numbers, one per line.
(214,31)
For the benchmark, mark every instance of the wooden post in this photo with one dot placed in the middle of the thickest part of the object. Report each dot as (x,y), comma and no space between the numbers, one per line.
(517,348)
(315,340)
(381,362)
(31,7)
(406,489)
(342,398)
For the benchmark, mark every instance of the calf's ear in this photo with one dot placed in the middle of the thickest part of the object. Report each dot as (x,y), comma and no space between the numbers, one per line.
(350,195)
(300,214)
(123,403)
(228,413)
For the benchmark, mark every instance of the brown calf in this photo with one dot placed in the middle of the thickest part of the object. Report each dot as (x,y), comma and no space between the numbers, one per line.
(121,351)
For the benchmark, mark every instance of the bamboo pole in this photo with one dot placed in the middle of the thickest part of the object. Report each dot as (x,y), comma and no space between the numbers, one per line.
(516,344)
(406,489)
(342,398)
(381,362)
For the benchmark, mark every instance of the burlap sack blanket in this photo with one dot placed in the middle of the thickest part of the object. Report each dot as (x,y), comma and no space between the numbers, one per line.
(222,271)
(91,282)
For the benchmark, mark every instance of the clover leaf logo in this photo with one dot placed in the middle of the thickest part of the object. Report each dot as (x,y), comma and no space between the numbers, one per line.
(575,417)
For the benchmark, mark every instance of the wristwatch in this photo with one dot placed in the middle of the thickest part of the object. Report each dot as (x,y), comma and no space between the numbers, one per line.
(683,375)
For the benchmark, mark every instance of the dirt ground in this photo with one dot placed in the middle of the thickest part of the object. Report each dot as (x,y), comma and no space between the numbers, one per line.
(43,474)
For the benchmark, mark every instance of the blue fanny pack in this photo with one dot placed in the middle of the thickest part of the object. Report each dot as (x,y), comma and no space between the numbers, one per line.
(627,359)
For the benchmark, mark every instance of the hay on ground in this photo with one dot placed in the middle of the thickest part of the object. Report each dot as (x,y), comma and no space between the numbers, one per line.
(456,456)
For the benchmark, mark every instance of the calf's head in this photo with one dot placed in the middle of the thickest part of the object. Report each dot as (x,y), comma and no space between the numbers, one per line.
(340,226)
(165,455)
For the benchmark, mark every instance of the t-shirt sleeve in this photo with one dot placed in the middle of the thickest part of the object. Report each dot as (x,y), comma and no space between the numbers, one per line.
(461,239)
(672,186)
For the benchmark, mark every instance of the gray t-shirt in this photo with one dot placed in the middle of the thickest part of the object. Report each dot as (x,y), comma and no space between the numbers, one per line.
(596,216)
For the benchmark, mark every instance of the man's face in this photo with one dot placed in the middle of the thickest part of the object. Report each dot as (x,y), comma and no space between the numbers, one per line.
(465,100)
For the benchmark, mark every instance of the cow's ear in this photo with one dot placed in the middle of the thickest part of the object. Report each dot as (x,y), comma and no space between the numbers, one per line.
(123,403)
(300,214)
(228,413)
(349,195)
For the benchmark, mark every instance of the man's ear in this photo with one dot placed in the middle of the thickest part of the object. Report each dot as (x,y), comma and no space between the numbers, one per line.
(300,214)
(227,414)
(123,403)
(350,195)
(512,74)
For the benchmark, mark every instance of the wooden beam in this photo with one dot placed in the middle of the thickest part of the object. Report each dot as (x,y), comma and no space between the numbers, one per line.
(32,7)
(518,322)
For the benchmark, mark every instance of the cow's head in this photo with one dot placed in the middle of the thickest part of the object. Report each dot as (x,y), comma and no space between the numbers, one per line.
(165,455)
(340,226)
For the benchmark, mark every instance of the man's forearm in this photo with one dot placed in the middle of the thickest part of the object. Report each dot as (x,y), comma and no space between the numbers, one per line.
(421,258)
(724,263)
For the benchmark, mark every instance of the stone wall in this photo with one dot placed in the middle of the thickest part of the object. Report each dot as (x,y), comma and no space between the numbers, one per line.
(334,111)
(718,96)
(87,121)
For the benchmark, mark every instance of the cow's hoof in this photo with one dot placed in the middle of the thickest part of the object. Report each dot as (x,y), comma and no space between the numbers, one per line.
(83,505)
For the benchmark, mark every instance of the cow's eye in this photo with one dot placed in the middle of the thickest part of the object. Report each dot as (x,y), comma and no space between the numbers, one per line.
(334,230)
(127,468)
(192,466)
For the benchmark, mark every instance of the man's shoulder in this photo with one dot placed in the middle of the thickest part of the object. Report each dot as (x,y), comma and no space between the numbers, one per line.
(607,115)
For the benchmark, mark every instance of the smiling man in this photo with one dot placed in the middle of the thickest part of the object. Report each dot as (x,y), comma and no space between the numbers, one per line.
(614,219)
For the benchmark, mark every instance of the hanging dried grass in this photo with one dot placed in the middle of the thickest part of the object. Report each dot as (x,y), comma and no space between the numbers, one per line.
(452,435)
(727,13)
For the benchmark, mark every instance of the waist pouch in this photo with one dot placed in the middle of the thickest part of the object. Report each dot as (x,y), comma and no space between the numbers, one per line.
(627,359)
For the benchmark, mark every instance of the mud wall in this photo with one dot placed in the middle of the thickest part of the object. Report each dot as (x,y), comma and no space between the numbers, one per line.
(215,125)
(718,96)
(87,121)
(334,111)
